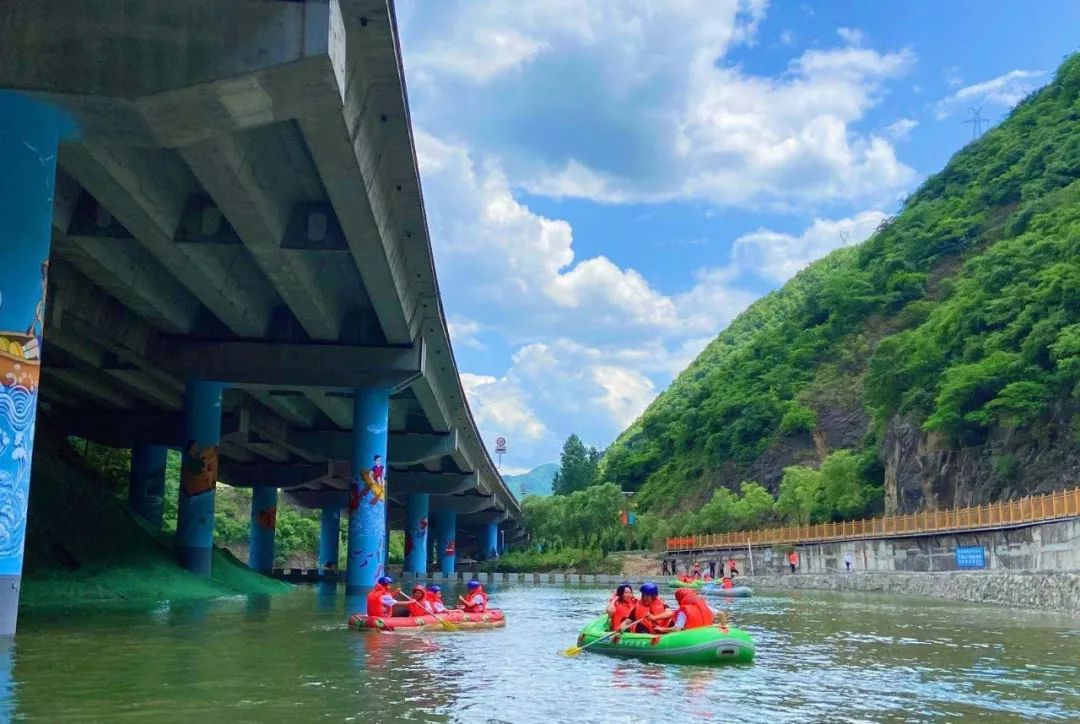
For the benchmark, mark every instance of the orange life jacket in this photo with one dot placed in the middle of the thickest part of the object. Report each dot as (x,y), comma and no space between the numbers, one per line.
(694,608)
(793,558)
(727,583)
(470,607)
(623,612)
(641,611)
(417,608)
(375,606)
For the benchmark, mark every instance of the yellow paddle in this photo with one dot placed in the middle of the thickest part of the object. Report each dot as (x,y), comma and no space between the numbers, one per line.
(575,650)
(446,624)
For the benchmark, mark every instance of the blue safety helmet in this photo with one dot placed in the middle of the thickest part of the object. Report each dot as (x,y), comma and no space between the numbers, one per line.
(473,584)
(385,580)
(434,589)
(649,589)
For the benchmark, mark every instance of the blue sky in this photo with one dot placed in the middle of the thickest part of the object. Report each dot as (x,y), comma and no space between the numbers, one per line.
(609,183)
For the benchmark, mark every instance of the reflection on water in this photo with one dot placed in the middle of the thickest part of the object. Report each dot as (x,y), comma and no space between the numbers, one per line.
(289,658)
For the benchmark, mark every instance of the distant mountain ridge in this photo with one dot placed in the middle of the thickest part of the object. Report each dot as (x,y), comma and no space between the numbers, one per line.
(535,482)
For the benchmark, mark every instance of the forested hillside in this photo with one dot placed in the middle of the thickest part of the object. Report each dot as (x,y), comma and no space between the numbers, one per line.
(936,364)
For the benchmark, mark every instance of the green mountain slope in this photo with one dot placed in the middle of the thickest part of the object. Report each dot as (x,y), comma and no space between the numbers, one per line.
(944,351)
(535,482)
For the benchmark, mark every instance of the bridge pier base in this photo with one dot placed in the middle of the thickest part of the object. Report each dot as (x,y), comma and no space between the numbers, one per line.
(416,532)
(329,537)
(489,542)
(29,135)
(445,544)
(198,475)
(146,485)
(263,525)
(367,490)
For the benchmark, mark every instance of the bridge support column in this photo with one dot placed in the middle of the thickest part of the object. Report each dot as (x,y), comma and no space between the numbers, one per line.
(29,134)
(489,541)
(445,543)
(329,536)
(263,525)
(146,485)
(367,490)
(416,532)
(198,475)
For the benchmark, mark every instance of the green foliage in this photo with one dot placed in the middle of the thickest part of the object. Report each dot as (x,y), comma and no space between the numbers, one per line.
(588,518)
(797,419)
(577,467)
(565,559)
(960,313)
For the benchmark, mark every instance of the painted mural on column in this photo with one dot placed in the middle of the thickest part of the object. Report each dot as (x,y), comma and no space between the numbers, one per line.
(418,533)
(199,470)
(367,492)
(21,323)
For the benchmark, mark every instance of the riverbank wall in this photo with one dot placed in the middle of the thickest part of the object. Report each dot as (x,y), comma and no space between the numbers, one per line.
(1048,590)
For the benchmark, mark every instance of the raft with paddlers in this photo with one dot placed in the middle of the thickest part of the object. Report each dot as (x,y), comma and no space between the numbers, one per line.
(456,618)
(715,644)
(695,583)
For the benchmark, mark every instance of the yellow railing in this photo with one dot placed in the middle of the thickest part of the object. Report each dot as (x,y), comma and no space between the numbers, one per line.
(1034,509)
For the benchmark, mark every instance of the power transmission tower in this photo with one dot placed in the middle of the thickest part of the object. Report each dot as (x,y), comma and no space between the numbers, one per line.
(845,235)
(976,122)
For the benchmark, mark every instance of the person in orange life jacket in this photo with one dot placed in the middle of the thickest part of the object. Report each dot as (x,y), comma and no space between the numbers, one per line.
(434,597)
(695,572)
(726,583)
(380,601)
(733,567)
(693,612)
(419,606)
(650,608)
(621,607)
(793,560)
(475,600)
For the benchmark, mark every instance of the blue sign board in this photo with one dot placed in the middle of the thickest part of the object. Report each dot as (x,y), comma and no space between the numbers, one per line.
(971,557)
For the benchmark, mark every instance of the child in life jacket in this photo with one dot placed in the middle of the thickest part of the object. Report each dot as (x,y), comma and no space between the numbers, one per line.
(419,606)
(693,612)
(475,600)
(650,608)
(620,607)
(434,597)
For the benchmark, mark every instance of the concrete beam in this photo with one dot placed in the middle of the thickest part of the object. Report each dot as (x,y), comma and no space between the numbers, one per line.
(483,517)
(404,448)
(461,504)
(274,474)
(402,482)
(289,365)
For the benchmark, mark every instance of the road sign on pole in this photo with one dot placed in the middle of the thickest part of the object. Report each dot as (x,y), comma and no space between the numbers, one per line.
(500,448)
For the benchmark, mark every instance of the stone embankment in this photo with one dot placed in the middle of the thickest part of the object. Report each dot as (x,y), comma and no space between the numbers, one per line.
(1049,590)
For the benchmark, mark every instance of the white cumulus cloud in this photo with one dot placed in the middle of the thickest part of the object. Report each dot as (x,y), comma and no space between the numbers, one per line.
(1005,90)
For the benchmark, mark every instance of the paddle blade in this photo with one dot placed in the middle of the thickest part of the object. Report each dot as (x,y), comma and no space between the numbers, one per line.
(573,651)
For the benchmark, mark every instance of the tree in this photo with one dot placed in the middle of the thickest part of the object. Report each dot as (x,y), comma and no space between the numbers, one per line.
(800,494)
(577,467)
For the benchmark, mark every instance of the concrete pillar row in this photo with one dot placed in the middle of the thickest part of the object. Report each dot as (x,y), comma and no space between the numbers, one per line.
(445,540)
(263,526)
(30,132)
(329,536)
(198,475)
(146,484)
(417,506)
(367,490)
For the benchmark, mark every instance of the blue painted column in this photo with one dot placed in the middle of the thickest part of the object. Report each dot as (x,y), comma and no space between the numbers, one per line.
(29,134)
(416,532)
(146,484)
(263,524)
(445,540)
(490,541)
(367,490)
(329,535)
(198,475)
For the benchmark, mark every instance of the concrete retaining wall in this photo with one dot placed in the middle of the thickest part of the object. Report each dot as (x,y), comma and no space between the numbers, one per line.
(1045,546)
(1050,590)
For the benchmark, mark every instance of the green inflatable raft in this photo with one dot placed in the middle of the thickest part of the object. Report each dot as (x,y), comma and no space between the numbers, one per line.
(707,645)
(676,583)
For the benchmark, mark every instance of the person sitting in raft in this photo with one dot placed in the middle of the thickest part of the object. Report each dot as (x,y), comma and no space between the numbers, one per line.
(380,602)
(475,600)
(419,605)
(726,583)
(620,607)
(693,612)
(650,608)
(434,597)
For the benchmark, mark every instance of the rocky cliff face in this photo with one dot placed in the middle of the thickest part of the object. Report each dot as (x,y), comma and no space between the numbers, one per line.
(922,471)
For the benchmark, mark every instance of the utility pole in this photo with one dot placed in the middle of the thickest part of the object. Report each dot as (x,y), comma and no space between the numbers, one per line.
(976,122)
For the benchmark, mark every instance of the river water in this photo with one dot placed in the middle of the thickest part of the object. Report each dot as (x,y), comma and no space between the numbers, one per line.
(821,657)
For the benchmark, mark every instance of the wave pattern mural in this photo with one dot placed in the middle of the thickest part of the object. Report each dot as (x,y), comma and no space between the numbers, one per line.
(17,406)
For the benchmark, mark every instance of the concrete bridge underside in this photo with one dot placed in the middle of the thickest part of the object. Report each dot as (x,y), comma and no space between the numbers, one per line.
(242,204)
